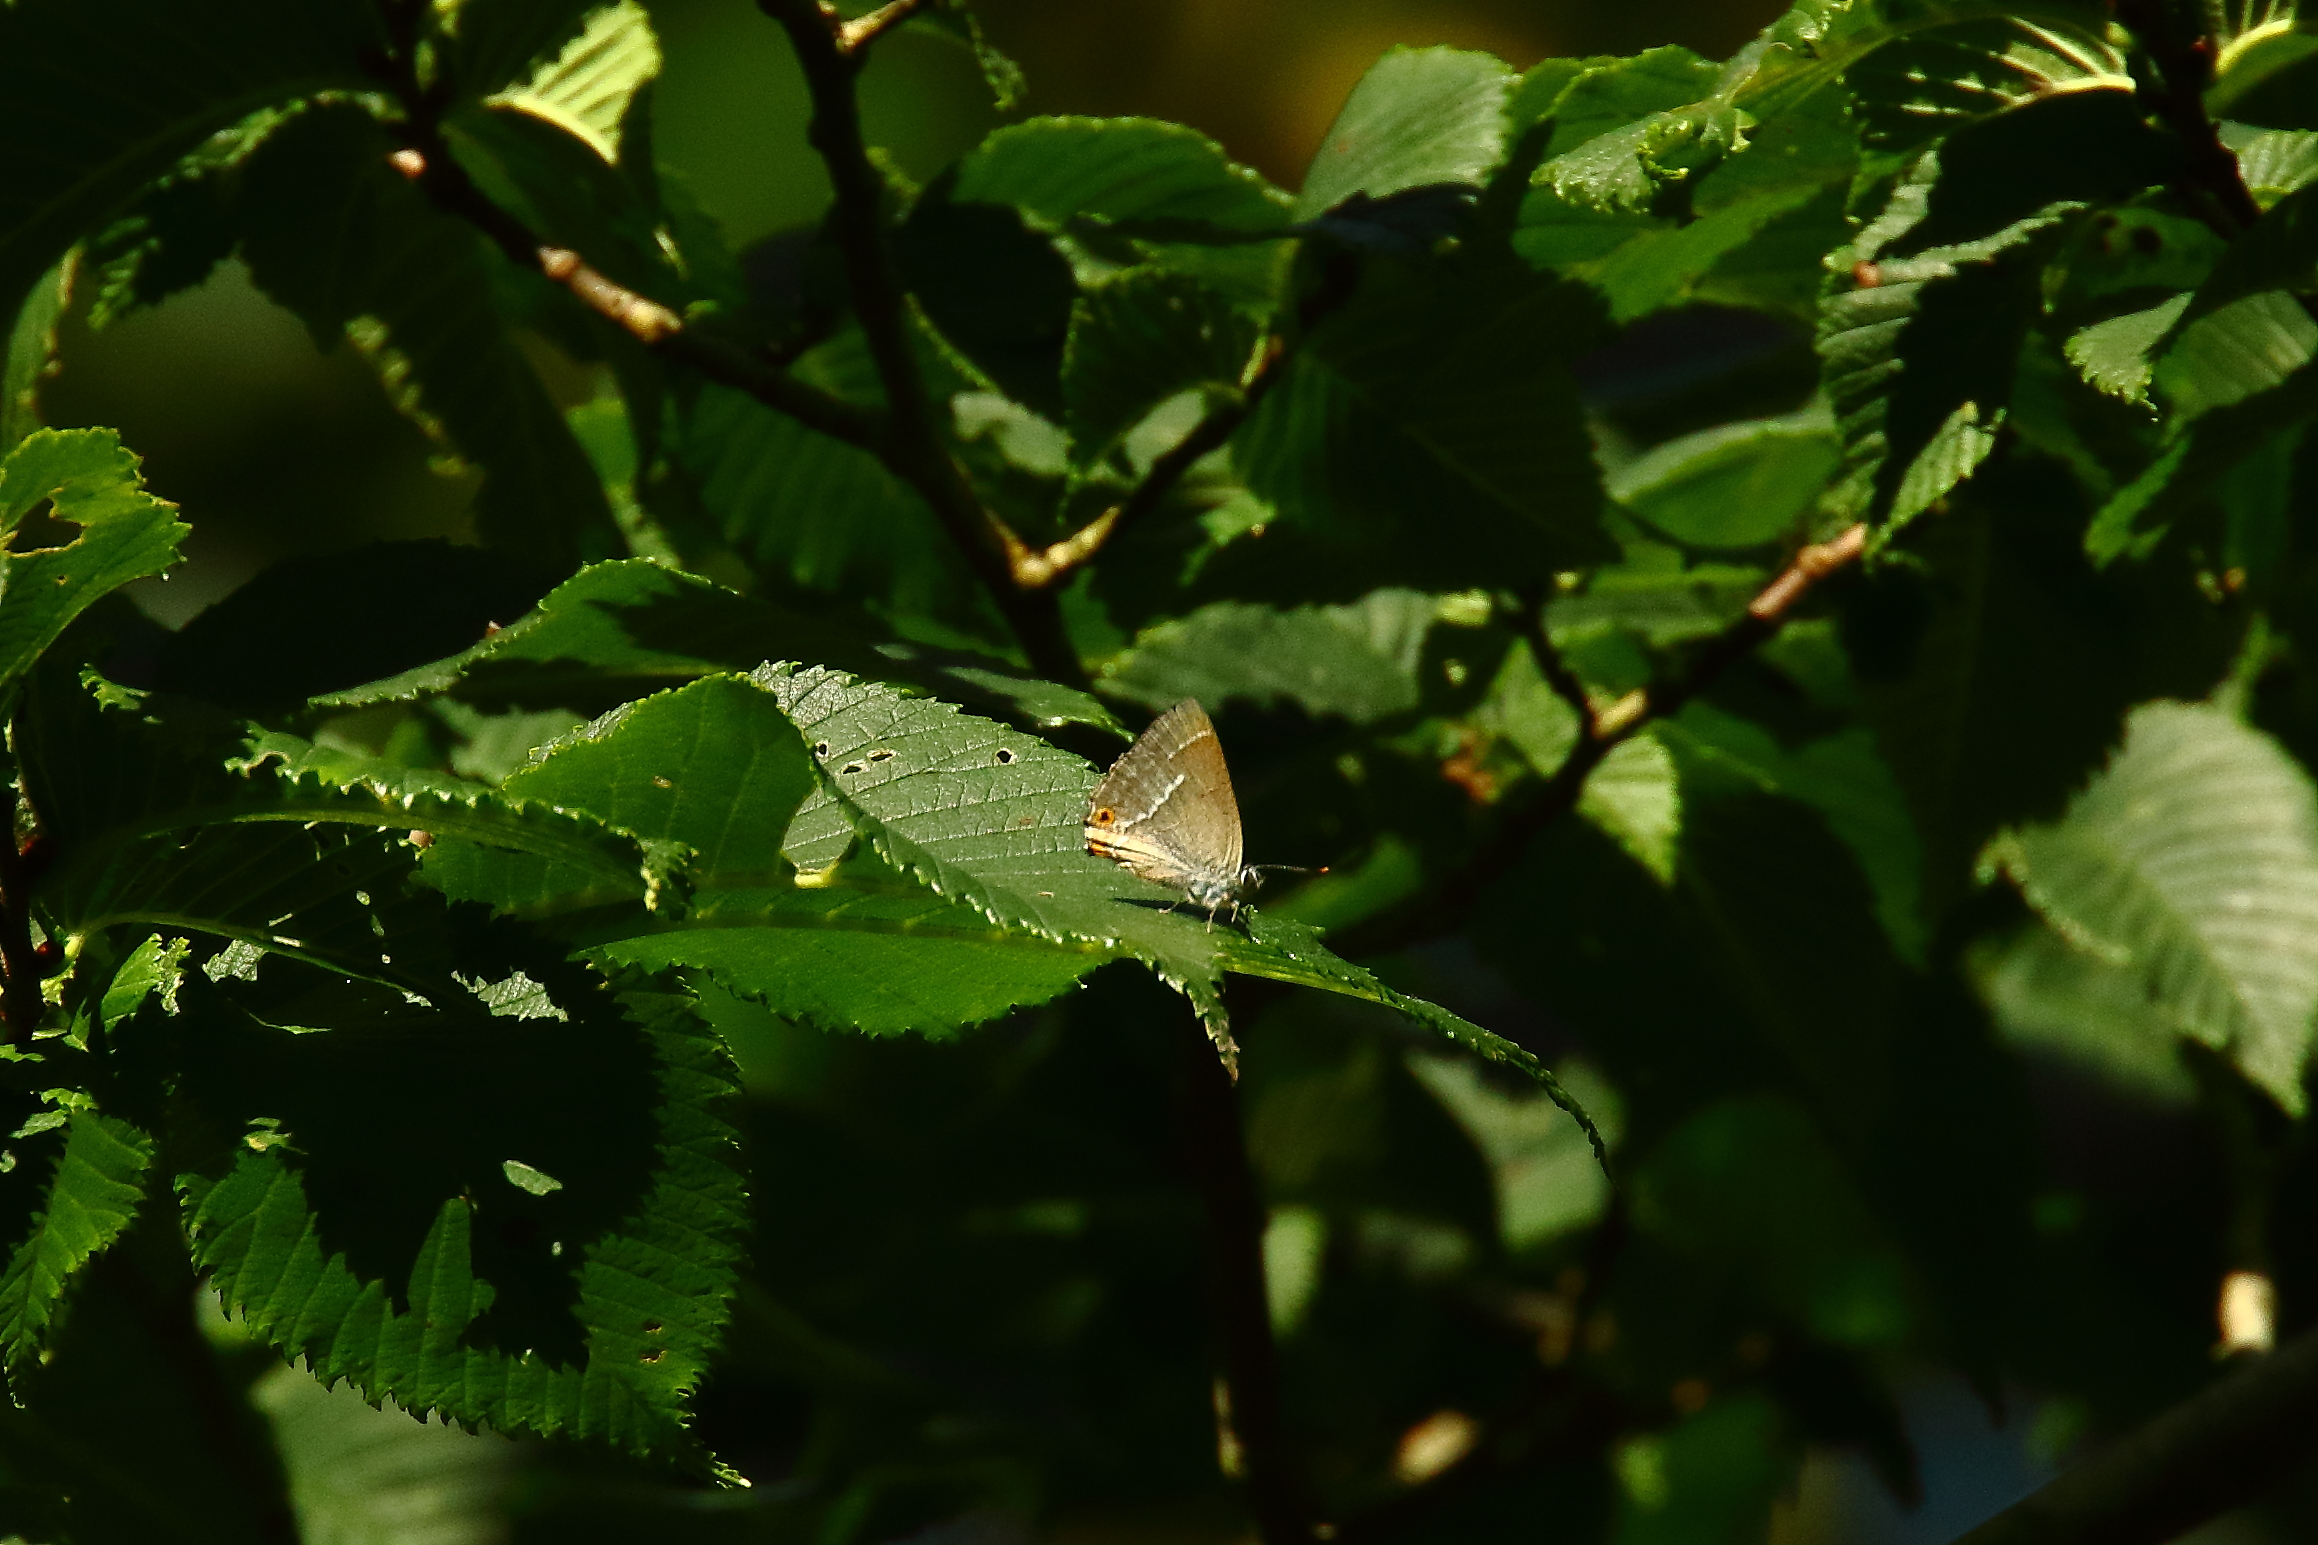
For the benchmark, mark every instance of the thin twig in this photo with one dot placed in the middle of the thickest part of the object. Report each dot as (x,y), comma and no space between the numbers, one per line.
(1442,907)
(1035,567)
(428,162)
(857,34)
(1529,624)
(913,448)
(1235,1230)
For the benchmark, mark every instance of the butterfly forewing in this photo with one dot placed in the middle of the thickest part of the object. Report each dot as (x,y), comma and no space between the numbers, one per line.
(1166,808)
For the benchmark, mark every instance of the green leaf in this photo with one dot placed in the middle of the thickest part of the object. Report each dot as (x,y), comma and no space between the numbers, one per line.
(822,514)
(2194,464)
(1845,779)
(1611,121)
(1287,951)
(49,577)
(336,235)
(1359,661)
(2240,350)
(1061,170)
(1136,341)
(982,816)
(1735,485)
(164,819)
(2193,861)
(586,89)
(1918,355)
(30,355)
(1547,1181)
(1996,674)
(1444,390)
(1635,797)
(567,194)
(2047,995)
(1789,178)
(2113,356)
(1419,117)
(105,96)
(360,1476)
(98,1183)
(2272,162)
(995,288)
(619,630)
(588,1312)
(717,767)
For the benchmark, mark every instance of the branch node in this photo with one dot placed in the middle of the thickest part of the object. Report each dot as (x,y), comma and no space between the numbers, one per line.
(857,34)
(647,321)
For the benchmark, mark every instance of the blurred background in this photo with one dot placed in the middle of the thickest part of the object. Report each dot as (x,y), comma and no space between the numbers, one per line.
(274,448)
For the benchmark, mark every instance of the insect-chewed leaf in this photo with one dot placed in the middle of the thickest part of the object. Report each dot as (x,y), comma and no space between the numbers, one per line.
(985,816)
(91,483)
(717,768)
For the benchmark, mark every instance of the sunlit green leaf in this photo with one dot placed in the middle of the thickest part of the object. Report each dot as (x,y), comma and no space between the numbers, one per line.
(52,572)
(2193,862)
(1420,116)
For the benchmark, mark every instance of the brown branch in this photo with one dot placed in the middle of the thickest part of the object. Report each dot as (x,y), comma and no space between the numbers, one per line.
(1529,625)
(2214,1451)
(1443,905)
(1035,567)
(913,448)
(1250,1410)
(429,163)
(857,34)
(2184,61)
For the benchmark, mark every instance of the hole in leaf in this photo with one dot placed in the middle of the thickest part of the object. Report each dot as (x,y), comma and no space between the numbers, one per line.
(849,767)
(1004,756)
(881,754)
(652,1356)
(41,529)
(651,1327)
(821,749)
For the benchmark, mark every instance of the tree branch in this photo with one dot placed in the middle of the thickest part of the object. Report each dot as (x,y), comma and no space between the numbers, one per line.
(1529,625)
(1037,567)
(427,160)
(2219,1448)
(1235,1232)
(857,34)
(2184,61)
(1443,906)
(906,437)
(913,448)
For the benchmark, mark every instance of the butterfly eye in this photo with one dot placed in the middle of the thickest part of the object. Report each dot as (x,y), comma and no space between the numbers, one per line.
(1105,816)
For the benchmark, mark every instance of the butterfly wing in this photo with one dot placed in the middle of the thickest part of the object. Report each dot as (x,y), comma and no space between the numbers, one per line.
(1166,808)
